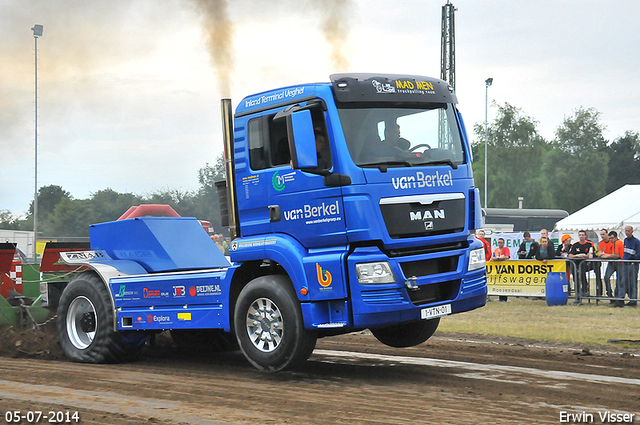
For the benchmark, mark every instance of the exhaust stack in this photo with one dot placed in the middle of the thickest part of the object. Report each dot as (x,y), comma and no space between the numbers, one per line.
(227,135)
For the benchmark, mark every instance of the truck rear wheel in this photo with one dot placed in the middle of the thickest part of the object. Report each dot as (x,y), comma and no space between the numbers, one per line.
(85,324)
(407,334)
(269,325)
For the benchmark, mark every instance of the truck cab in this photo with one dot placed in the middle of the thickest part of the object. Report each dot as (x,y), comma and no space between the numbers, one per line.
(361,190)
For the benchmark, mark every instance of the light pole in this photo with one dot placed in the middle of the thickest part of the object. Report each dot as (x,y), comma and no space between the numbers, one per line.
(37,32)
(487,82)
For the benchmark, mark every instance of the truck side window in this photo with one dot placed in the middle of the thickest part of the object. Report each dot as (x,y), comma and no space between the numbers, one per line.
(256,145)
(279,144)
(323,149)
(269,145)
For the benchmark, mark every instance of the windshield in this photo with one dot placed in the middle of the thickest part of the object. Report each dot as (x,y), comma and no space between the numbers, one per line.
(400,137)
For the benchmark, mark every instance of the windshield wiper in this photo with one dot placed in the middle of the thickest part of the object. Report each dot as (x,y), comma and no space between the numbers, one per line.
(441,162)
(384,165)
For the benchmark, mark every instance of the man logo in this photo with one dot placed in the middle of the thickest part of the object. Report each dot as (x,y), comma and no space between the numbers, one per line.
(428,225)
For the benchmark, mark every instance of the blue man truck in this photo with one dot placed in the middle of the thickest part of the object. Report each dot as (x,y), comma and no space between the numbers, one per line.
(350,204)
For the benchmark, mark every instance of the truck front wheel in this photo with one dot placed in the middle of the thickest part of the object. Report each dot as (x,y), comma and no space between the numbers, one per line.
(269,325)
(406,334)
(85,324)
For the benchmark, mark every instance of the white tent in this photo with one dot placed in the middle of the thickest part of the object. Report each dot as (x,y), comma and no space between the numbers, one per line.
(614,211)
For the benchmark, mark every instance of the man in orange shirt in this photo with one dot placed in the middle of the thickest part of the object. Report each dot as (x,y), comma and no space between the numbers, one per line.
(501,253)
(605,247)
(614,267)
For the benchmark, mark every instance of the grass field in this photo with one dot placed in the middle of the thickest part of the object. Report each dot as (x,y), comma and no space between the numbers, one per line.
(533,319)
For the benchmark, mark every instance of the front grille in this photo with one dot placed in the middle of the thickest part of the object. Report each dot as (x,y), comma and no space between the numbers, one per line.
(401,252)
(429,267)
(434,292)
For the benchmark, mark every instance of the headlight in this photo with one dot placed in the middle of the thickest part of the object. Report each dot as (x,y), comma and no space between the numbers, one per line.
(375,273)
(476,259)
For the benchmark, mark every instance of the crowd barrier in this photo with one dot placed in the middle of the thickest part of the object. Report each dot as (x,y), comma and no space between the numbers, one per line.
(585,278)
(591,278)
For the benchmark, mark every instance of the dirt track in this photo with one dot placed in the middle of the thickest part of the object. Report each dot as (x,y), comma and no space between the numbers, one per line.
(454,379)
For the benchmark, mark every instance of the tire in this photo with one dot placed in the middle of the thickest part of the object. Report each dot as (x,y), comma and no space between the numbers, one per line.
(205,340)
(269,325)
(85,324)
(407,334)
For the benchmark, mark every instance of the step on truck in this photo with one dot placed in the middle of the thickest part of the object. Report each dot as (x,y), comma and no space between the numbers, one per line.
(351,205)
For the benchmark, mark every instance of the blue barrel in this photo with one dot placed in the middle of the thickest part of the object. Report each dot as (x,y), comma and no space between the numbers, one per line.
(556,288)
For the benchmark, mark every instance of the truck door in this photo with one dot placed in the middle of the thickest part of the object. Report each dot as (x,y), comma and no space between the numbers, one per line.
(294,202)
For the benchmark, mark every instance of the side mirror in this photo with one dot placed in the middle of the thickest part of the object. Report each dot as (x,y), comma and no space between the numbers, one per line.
(302,141)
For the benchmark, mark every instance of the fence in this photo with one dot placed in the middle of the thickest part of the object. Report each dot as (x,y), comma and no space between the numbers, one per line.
(595,280)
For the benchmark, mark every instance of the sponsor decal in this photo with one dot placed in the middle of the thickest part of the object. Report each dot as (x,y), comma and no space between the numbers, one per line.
(150,318)
(279,95)
(133,253)
(521,277)
(161,319)
(153,293)
(184,316)
(411,87)
(253,243)
(249,181)
(278,181)
(204,290)
(139,320)
(404,87)
(421,180)
(324,277)
(314,214)
(383,88)
(234,246)
(83,255)
(179,291)
(122,292)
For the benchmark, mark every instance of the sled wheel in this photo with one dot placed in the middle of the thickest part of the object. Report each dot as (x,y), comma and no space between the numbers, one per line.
(85,324)
(406,334)
(269,325)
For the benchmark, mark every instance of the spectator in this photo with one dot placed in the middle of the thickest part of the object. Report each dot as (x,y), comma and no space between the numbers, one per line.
(605,248)
(546,251)
(579,251)
(630,270)
(480,235)
(218,240)
(529,248)
(501,253)
(564,248)
(545,233)
(618,253)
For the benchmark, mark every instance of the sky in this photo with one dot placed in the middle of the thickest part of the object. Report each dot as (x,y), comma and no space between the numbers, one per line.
(129,90)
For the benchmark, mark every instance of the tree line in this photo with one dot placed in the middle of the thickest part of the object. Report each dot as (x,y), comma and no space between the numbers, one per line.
(60,215)
(576,168)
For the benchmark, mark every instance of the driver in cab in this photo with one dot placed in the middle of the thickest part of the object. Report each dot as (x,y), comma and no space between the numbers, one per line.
(392,137)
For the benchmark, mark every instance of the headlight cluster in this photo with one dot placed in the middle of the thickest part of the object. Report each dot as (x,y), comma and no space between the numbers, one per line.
(476,259)
(379,272)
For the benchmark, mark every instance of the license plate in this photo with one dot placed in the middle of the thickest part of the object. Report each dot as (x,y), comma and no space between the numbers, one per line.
(433,312)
